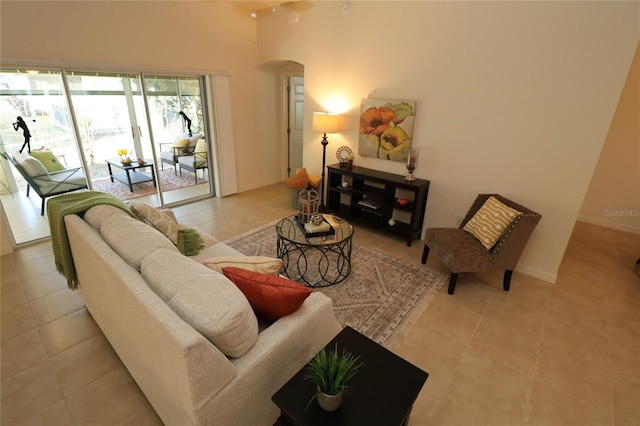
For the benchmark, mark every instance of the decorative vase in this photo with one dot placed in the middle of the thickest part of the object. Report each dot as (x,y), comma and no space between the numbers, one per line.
(412,162)
(330,402)
(349,163)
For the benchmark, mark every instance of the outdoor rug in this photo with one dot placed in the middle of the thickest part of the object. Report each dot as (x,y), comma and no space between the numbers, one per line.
(168,181)
(381,298)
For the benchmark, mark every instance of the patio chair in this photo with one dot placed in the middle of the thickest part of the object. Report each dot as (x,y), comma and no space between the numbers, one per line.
(46,184)
(170,152)
(196,161)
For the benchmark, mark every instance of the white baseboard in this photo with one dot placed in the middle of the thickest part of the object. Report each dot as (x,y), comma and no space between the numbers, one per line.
(537,273)
(609,224)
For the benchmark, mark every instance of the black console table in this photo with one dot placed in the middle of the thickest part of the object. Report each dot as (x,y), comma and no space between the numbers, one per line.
(373,198)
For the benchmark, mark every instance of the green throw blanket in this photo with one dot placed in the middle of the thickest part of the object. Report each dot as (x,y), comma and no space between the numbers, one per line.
(189,241)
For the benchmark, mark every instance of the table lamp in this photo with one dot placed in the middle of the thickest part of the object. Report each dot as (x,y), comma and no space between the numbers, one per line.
(325,122)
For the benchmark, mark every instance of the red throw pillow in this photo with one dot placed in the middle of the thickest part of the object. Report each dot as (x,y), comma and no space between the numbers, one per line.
(271,296)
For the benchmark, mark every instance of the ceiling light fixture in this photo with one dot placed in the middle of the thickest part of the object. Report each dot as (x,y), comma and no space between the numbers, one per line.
(254,15)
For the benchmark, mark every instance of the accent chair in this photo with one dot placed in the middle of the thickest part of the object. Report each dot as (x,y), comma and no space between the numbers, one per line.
(468,249)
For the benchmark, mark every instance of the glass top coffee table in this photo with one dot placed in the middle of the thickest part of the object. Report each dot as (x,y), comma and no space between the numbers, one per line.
(317,261)
(382,393)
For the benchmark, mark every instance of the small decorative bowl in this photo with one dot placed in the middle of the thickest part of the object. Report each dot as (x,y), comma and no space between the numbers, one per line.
(126,162)
(316,219)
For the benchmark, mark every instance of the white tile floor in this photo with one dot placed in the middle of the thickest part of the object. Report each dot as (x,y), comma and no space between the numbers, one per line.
(541,354)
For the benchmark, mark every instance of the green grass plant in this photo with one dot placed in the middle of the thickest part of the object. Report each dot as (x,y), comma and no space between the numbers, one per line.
(331,370)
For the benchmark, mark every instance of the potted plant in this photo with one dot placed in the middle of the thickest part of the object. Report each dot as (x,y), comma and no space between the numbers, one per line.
(331,371)
(350,160)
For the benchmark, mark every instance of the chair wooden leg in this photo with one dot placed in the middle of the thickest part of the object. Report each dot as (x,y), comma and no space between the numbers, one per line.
(425,254)
(28,190)
(453,279)
(42,208)
(506,281)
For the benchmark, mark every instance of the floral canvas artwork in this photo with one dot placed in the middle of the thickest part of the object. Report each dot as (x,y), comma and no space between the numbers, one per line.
(386,128)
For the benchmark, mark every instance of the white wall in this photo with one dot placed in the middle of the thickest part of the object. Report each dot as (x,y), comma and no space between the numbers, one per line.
(151,36)
(613,198)
(6,242)
(512,97)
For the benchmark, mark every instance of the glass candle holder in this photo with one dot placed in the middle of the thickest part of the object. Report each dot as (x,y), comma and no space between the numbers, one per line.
(412,162)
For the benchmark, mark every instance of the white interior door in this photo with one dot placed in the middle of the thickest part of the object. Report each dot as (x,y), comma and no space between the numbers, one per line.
(296,120)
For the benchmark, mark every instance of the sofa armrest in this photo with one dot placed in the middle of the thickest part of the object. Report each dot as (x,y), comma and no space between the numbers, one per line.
(282,349)
(314,322)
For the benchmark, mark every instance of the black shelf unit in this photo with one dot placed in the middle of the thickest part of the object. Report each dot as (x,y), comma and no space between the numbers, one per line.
(381,190)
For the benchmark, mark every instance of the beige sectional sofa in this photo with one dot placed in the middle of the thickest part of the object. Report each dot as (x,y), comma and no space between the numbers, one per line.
(155,307)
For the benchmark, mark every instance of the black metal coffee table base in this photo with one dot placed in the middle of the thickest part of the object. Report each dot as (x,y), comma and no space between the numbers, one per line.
(316,266)
(317,261)
(381,394)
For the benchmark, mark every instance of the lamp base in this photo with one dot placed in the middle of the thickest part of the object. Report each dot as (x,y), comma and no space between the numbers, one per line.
(324,143)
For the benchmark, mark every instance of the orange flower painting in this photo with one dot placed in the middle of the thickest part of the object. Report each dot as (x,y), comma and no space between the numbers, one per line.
(386,129)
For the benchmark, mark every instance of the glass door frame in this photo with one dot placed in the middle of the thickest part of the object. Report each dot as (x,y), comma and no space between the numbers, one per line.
(134,122)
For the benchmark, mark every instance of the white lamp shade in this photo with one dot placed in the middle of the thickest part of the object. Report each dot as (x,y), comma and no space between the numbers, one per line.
(325,122)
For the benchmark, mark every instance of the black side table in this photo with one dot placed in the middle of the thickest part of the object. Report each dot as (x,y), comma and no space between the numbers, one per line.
(381,394)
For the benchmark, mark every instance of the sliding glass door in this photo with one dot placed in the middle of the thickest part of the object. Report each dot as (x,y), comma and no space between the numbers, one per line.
(111,115)
(89,119)
(108,123)
(32,103)
(176,114)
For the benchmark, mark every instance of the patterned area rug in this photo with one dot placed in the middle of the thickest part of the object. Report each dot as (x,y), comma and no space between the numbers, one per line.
(168,182)
(382,296)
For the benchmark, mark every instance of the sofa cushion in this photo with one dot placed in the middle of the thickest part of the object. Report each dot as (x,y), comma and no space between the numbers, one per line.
(49,160)
(215,250)
(205,299)
(132,239)
(271,296)
(97,214)
(181,143)
(194,138)
(154,217)
(59,182)
(201,149)
(262,264)
(490,221)
(33,167)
